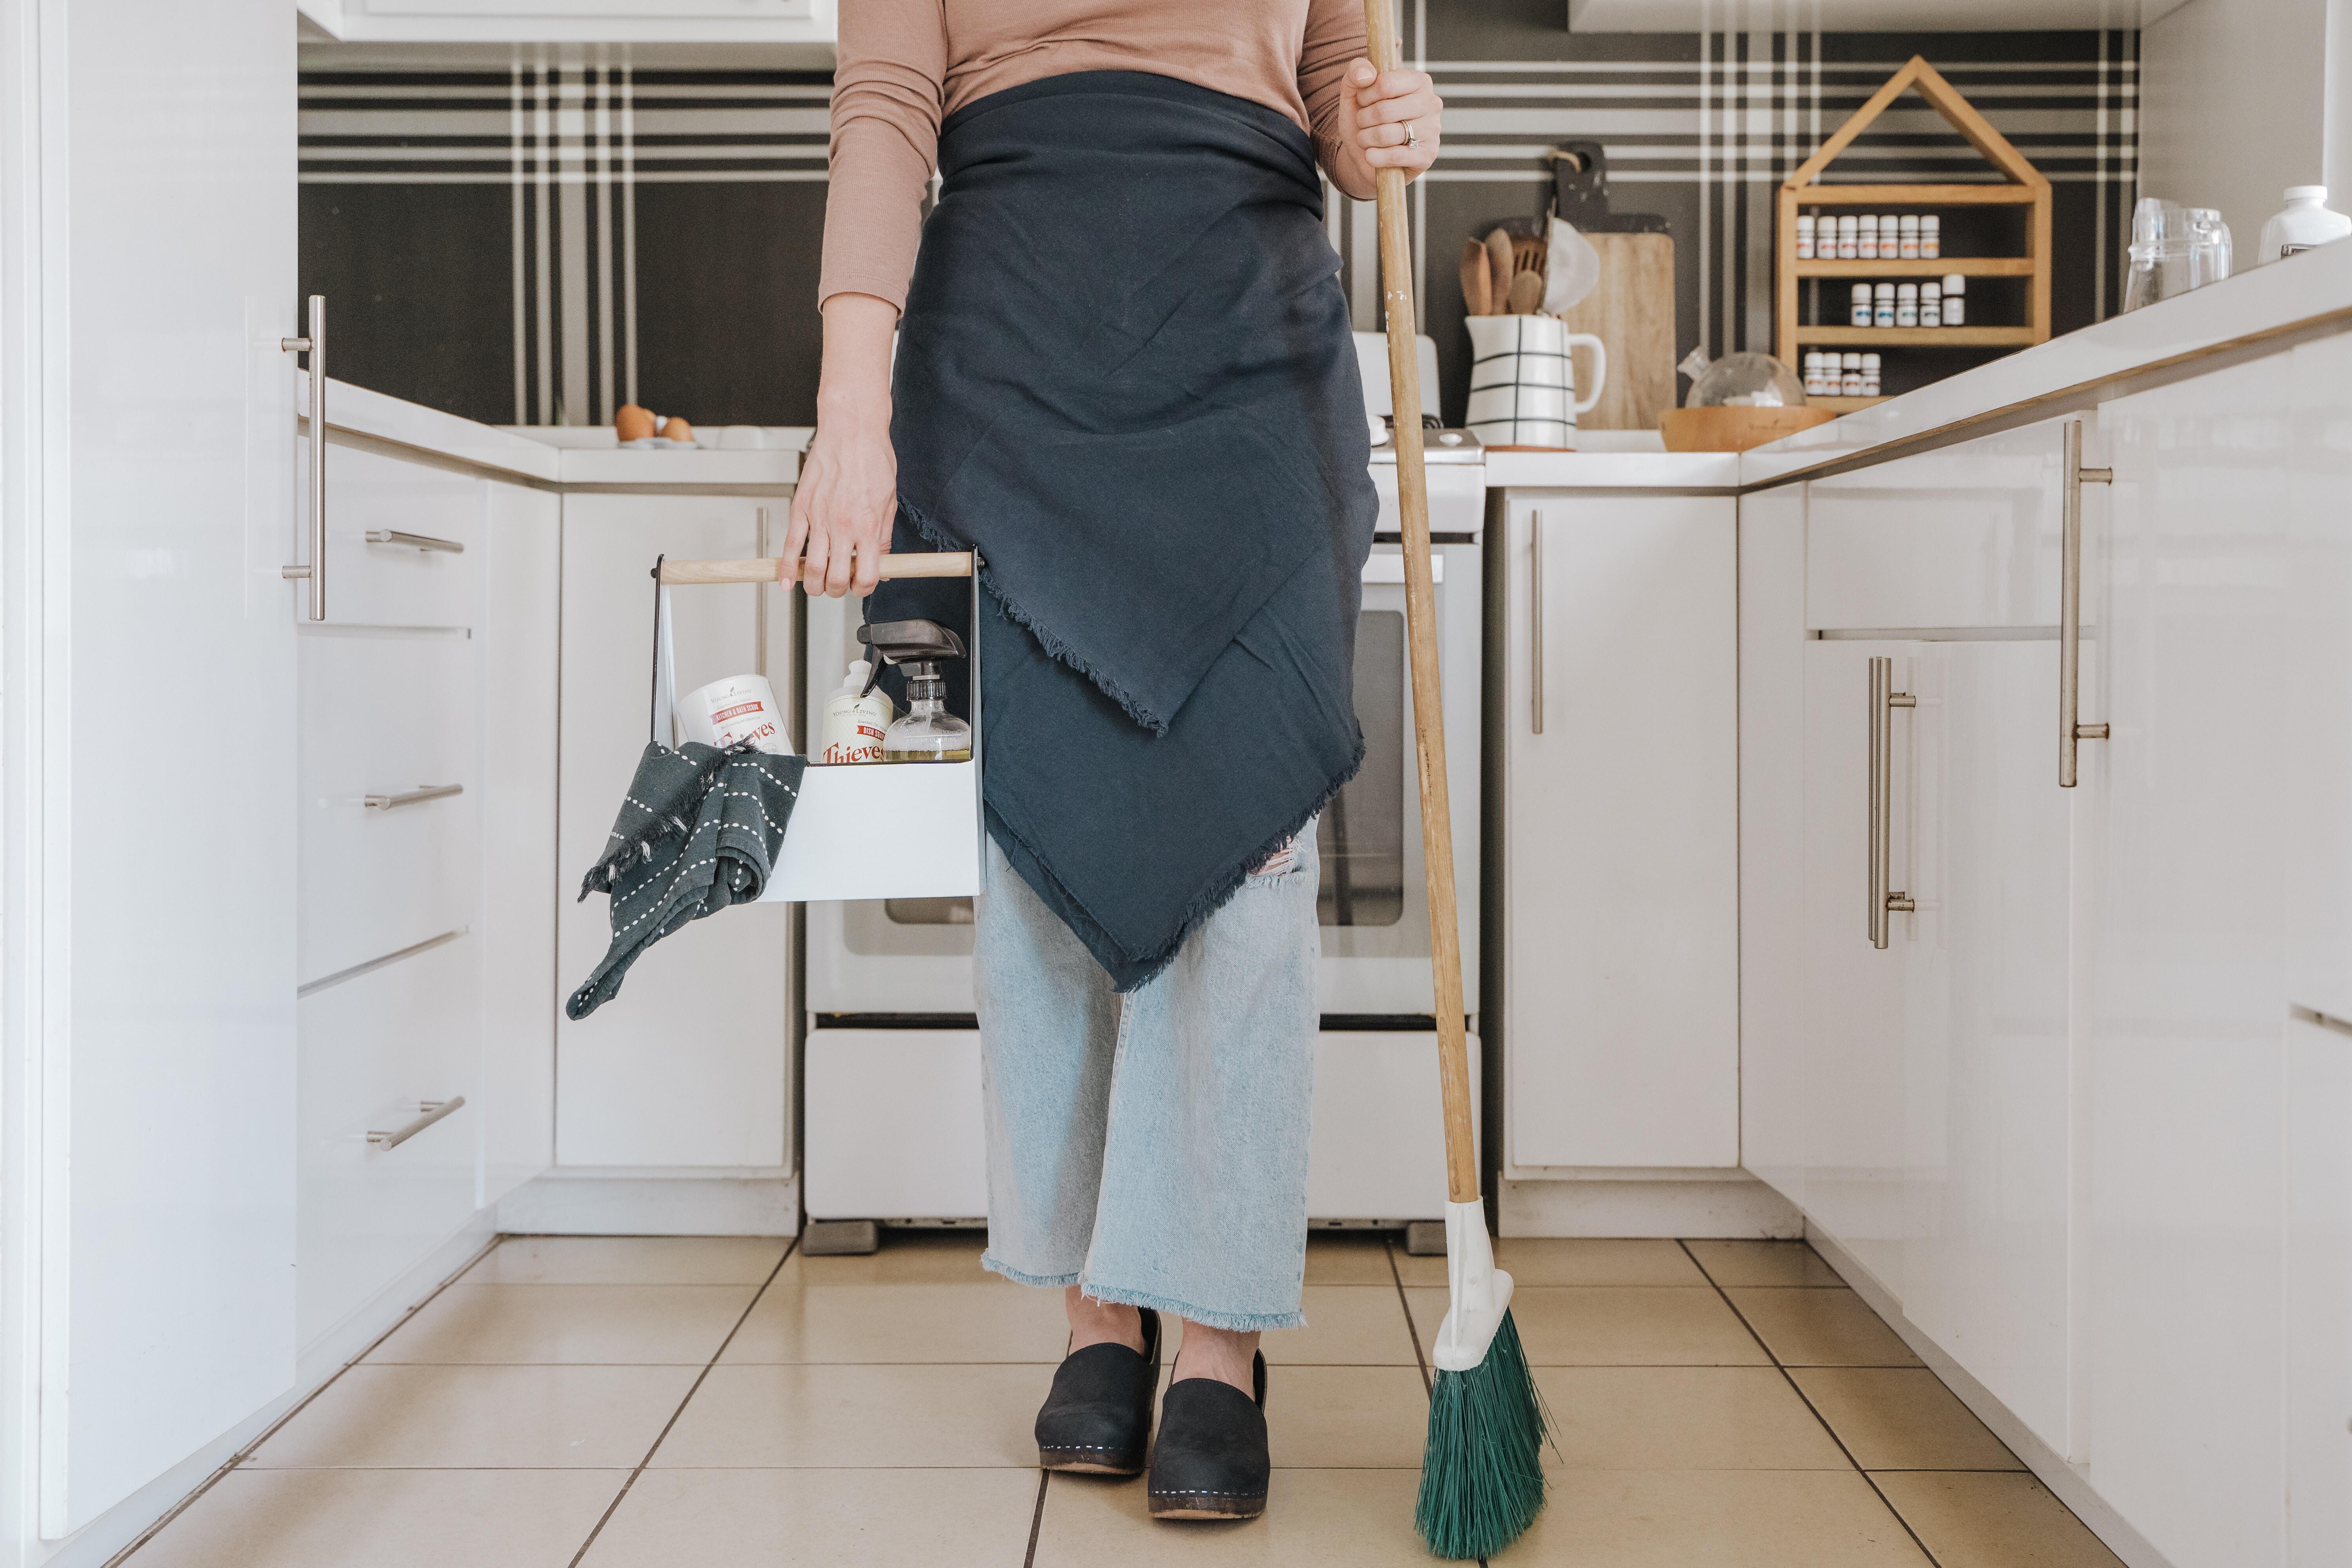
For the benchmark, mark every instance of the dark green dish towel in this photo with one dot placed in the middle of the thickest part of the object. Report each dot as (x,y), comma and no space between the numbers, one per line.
(699,831)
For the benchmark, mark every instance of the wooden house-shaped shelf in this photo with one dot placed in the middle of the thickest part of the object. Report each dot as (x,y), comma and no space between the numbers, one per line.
(2024,186)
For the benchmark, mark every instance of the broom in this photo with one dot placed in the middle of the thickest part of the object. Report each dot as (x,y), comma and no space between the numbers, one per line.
(1482,1477)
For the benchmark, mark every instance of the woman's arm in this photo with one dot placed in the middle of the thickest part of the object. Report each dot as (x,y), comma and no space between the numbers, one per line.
(1359,115)
(848,491)
(886,99)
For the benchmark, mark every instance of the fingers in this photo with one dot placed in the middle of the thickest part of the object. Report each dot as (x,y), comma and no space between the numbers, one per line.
(868,571)
(796,533)
(818,559)
(1423,105)
(1384,84)
(1361,73)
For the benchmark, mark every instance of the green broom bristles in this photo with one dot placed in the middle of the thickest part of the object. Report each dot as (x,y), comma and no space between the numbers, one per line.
(1482,1481)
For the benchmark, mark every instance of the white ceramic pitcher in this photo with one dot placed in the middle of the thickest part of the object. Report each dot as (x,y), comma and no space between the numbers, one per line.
(1523,382)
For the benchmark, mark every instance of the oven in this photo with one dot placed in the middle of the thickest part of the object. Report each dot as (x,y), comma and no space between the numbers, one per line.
(891,1078)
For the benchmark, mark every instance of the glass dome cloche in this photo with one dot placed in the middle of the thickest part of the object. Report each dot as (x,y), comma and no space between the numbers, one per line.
(1747,381)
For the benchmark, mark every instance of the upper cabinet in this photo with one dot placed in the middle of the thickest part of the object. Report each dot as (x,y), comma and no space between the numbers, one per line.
(807,23)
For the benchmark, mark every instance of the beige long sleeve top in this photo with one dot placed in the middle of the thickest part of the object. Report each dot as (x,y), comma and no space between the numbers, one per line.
(905,64)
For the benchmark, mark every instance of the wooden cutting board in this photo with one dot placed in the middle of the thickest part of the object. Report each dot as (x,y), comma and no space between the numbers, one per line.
(1632,311)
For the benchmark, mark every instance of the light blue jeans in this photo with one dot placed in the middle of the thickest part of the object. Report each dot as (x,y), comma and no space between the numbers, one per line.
(1152,1148)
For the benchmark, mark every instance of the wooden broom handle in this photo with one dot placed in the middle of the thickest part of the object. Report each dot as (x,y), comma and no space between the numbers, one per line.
(1421,637)
(908,563)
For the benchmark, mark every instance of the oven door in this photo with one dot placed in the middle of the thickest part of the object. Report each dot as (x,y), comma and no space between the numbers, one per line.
(913,956)
(1374,902)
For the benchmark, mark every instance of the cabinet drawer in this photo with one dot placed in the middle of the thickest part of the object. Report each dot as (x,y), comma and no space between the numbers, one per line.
(390,582)
(372,1050)
(381,717)
(1964,537)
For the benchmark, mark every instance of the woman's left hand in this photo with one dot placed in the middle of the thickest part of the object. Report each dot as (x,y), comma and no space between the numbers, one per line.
(1388,120)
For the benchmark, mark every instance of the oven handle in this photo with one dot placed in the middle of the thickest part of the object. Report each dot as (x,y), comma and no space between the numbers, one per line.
(1389,570)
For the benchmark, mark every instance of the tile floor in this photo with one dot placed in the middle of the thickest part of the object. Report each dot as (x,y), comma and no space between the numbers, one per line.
(646,1402)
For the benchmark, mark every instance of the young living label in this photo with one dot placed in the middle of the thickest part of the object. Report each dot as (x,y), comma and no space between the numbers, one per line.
(858,743)
(731,713)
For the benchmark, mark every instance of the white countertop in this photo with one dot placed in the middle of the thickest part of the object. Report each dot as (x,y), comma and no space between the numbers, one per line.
(2272,300)
(572,460)
(1614,471)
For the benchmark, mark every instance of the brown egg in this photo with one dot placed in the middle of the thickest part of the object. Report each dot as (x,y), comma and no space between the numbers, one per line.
(678,429)
(633,422)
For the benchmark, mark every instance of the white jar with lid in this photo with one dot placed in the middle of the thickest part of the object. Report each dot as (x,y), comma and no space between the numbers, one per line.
(1847,242)
(1906,304)
(1931,303)
(1866,237)
(1850,378)
(1881,306)
(1956,299)
(1861,317)
(1907,243)
(2304,223)
(1804,237)
(1813,372)
(1870,365)
(1931,236)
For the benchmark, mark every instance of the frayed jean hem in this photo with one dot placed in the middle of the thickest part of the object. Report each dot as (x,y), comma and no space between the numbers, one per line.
(1232,1323)
(996,1265)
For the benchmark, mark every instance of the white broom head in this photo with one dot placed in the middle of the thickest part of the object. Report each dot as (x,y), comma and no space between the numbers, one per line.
(1480,1292)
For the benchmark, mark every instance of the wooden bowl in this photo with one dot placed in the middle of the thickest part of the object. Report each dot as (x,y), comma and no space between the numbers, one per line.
(1734,429)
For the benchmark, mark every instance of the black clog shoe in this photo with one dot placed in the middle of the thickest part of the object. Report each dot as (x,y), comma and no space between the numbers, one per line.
(1211,1459)
(1097,1419)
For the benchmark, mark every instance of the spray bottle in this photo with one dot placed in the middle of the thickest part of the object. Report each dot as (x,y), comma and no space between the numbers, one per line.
(928,732)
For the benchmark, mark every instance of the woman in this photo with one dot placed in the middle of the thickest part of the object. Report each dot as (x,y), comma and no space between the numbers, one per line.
(1124,375)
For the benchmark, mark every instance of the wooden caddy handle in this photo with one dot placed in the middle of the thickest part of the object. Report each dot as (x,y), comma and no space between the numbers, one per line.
(1421,637)
(911,564)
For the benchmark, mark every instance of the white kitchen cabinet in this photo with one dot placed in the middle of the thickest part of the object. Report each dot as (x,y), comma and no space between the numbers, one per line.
(521,612)
(1986,1063)
(2319,1290)
(2186,991)
(379,1053)
(1776,1016)
(1851,1116)
(1620,831)
(688,1066)
(2316,622)
(145,488)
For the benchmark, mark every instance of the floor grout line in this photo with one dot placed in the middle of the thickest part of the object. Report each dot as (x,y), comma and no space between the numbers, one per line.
(1798,1389)
(238,1460)
(1037,1517)
(1388,1251)
(613,1507)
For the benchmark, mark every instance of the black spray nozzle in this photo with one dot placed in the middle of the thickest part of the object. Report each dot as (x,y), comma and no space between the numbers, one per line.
(899,642)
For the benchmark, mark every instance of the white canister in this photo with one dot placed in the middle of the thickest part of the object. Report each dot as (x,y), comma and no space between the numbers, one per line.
(1523,383)
(732,712)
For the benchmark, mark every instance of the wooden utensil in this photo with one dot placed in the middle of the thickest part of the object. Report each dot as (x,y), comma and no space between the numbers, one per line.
(1527,293)
(1500,268)
(1528,253)
(1477,279)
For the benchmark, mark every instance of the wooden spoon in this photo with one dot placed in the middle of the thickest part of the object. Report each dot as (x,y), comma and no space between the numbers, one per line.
(1527,293)
(1477,279)
(1499,261)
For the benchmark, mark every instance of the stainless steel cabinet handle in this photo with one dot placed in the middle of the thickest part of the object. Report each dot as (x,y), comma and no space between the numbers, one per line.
(411,797)
(430,1111)
(315,345)
(2069,606)
(1535,622)
(413,540)
(1884,700)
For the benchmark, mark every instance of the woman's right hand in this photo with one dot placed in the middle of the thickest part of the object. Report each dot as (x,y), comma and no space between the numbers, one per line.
(847,498)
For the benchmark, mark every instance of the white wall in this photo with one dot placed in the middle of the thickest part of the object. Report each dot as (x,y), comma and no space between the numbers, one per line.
(2233,97)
